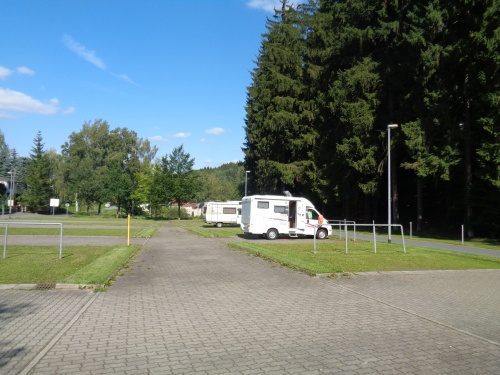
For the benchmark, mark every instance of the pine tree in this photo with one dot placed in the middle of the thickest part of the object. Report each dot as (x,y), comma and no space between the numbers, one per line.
(344,85)
(279,141)
(39,183)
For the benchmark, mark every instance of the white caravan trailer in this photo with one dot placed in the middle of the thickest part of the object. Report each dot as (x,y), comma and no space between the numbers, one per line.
(272,215)
(219,213)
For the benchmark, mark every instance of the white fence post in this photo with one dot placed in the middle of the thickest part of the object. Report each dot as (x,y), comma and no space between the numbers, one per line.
(411,229)
(374,239)
(314,241)
(345,228)
(403,237)
(5,241)
(60,242)
(462,234)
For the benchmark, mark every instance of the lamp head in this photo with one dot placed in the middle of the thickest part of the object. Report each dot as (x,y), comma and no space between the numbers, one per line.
(392,126)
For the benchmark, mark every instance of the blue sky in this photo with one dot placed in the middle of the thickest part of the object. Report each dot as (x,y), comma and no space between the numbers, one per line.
(174,71)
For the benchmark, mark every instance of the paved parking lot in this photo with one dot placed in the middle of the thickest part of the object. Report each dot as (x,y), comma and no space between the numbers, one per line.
(190,305)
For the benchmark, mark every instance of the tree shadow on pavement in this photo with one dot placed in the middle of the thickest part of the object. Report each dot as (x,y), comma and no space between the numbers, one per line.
(8,313)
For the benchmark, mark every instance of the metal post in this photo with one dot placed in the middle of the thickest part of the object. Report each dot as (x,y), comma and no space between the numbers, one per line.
(5,241)
(60,242)
(314,241)
(411,229)
(462,234)
(389,127)
(374,239)
(403,237)
(389,183)
(345,228)
(10,192)
(354,233)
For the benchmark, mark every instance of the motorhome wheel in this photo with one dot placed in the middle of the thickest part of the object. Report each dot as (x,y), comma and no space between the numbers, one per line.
(218,225)
(272,234)
(321,234)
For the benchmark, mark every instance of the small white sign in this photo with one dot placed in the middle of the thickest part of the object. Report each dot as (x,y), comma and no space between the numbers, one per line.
(67,204)
(10,202)
(54,202)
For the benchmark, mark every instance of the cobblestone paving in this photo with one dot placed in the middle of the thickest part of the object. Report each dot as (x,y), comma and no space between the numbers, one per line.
(30,319)
(190,305)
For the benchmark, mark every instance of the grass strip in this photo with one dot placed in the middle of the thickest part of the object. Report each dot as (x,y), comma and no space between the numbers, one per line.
(40,264)
(145,233)
(46,231)
(104,268)
(199,227)
(331,258)
(483,243)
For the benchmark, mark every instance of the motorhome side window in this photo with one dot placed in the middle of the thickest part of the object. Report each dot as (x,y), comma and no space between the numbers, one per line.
(312,214)
(281,209)
(262,204)
(229,210)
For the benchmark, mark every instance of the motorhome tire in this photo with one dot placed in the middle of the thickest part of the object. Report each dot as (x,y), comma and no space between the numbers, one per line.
(272,234)
(218,225)
(321,234)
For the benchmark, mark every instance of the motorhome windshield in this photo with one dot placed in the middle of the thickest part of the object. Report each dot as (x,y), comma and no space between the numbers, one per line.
(312,214)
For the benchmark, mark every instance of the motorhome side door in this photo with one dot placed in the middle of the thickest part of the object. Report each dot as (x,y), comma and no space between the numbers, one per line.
(301,215)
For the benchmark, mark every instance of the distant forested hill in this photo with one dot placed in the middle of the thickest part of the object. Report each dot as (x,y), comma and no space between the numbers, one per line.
(225,182)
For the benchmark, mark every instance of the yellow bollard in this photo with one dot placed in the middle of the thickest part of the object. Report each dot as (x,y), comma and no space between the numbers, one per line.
(128,230)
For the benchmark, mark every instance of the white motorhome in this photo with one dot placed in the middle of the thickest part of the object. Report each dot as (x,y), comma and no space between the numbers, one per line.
(272,215)
(219,213)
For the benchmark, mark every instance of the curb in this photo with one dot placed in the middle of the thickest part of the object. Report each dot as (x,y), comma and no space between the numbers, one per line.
(334,275)
(89,287)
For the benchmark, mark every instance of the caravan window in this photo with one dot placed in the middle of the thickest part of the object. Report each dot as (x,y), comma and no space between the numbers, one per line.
(281,209)
(262,204)
(229,210)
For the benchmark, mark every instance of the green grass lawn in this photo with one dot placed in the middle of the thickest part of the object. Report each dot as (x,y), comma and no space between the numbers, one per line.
(331,258)
(69,231)
(484,243)
(199,227)
(79,264)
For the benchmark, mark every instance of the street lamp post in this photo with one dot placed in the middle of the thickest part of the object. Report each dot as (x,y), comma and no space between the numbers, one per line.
(246,181)
(11,187)
(389,127)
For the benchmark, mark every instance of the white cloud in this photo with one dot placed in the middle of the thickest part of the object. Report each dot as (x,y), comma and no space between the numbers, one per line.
(4,72)
(15,101)
(24,70)
(182,135)
(203,140)
(157,138)
(124,77)
(266,5)
(214,131)
(69,110)
(82,51)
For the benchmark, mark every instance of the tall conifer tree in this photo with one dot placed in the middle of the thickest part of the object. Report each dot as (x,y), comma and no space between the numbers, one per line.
(279,141)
